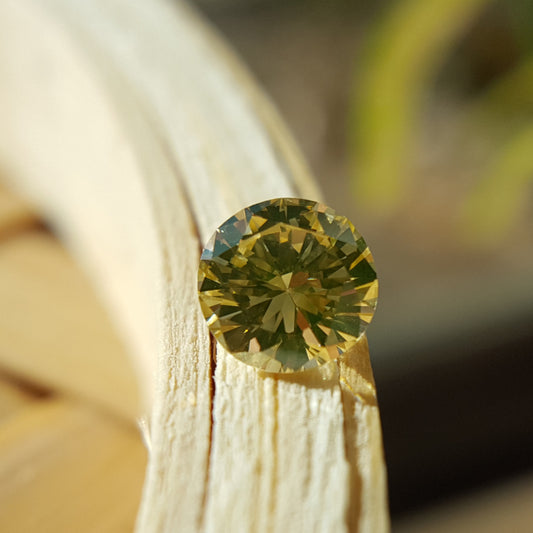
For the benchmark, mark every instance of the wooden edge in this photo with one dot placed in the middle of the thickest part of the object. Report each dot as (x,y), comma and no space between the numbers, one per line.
(207,152)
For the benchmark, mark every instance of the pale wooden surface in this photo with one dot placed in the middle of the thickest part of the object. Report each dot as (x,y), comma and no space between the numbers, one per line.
(158,135)
(54,330)
(64,467)
(71,458)
(15,214)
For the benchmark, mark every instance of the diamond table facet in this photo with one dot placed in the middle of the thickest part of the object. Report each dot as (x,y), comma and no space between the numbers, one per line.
(287,285)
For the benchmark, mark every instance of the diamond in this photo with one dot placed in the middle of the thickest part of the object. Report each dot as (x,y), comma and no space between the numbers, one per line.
(287,285)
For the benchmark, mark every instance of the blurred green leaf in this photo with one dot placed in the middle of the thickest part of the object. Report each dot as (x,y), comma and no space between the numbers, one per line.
(508,100)
(403,55)
(521,12)
(500,196)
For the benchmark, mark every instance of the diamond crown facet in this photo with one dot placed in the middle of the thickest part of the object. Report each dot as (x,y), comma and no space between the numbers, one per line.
(286,285)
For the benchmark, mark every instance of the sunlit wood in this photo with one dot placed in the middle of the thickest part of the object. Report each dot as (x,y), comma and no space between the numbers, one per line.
(143,136)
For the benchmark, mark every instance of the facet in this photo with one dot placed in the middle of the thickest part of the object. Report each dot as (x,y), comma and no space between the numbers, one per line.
(286,285)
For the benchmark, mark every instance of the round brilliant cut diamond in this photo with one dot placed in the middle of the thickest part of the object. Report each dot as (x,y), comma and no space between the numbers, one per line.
(287,285)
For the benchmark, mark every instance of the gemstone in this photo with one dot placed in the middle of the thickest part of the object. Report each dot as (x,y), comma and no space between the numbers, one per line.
(287,285)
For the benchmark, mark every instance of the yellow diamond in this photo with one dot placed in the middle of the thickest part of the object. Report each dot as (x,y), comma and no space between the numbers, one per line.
(287,285)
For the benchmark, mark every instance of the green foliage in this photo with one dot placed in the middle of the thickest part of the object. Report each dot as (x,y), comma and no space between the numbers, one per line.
(488,214)
(508,101)
(407,49)
(404,54)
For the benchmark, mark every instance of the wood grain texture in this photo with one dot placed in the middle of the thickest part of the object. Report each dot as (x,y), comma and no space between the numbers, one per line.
(193,140)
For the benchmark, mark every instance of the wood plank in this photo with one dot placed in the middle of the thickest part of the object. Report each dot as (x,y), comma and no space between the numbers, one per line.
(65,467)
(54,331)
(193,141)
(15,214)
(13,397)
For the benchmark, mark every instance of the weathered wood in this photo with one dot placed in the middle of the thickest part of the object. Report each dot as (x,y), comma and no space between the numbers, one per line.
(171,137)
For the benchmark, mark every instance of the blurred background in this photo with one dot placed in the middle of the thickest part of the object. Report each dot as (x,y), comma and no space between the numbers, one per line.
(417,118)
